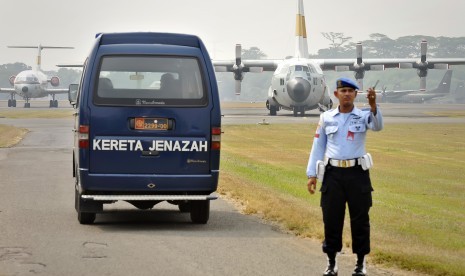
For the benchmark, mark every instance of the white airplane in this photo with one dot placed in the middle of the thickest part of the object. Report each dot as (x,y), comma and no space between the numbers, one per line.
(298,84)
(34,83)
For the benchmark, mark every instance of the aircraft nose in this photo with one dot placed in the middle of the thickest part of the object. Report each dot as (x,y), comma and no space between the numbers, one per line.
(25,89)
(298,89)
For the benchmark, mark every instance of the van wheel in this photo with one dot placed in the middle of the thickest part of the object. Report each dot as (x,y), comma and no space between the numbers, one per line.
(184,207)
(83,217)
(86,218)
(200,211)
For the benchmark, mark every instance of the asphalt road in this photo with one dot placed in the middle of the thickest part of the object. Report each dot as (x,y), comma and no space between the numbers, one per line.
(40,234)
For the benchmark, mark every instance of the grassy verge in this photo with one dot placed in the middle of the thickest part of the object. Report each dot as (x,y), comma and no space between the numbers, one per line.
(418,212)
(10,135)
(26,113)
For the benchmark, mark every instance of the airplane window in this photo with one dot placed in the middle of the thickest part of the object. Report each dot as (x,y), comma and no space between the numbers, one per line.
(298,68)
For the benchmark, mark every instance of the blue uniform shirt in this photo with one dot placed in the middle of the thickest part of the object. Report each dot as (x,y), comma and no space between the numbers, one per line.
(342,135)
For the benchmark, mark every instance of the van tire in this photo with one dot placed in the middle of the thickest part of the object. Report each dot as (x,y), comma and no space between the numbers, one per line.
(86,218)
(184,207)
(200,211)
(83,217)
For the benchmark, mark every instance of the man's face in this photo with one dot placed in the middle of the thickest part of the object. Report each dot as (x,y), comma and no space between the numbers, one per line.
(346,96)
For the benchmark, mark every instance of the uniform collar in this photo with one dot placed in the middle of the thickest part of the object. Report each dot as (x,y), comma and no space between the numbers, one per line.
(354,111)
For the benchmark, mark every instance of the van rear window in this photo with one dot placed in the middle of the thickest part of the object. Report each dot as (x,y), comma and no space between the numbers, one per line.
(150,81)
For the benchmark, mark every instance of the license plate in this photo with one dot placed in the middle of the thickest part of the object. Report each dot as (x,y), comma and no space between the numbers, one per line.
(151,123)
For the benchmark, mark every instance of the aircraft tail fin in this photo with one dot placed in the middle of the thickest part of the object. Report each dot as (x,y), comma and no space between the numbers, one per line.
(301,48)
(444,84)
(39,51)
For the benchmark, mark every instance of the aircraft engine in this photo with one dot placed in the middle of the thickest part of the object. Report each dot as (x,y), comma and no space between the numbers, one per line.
(422,65)
(12,80)
(359,67)
(238,69)
(55,81)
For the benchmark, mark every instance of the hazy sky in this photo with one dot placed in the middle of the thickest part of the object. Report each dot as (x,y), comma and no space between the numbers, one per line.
(267,24)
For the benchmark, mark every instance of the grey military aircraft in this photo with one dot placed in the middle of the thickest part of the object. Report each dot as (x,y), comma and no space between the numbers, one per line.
(298,83)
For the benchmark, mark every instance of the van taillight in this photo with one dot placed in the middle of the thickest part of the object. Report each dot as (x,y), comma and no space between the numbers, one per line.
(216,138)
(83,137)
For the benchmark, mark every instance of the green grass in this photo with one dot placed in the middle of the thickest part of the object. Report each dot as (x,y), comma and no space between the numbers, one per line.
(26,113)
(418,213)
(10,135)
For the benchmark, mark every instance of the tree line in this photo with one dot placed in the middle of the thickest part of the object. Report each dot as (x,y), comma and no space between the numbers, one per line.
(255,85)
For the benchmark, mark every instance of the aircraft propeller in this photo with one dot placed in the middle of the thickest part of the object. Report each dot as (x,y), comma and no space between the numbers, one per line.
(422,70)
(359,66)
(238,69)
(422,65)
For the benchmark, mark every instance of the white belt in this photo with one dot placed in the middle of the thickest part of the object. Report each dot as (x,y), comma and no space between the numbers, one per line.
(344,163)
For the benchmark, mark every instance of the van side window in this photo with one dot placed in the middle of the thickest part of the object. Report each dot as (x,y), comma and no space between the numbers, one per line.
(150,80)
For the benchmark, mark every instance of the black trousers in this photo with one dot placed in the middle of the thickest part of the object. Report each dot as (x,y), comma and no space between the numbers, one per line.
(351,186)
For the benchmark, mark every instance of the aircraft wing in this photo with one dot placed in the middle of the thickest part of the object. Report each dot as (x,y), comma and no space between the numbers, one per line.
(396,93)
(380,63)
(7,90)
(249,65)
(57,91)
(239,67)
(70,65)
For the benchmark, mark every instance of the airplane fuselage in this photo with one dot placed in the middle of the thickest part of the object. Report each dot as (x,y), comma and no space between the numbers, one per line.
(298,84)
(31,84)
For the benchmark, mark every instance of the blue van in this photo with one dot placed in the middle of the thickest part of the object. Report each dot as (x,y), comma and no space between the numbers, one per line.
(147,126)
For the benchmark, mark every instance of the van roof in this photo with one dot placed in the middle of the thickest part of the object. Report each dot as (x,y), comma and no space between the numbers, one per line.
(149,38)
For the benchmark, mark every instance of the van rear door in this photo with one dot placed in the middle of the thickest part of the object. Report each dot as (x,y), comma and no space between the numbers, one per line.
(150,115)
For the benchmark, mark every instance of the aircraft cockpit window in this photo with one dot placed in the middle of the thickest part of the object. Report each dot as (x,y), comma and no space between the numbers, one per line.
(307,71)
(298,68)
(135,80)
(26,80)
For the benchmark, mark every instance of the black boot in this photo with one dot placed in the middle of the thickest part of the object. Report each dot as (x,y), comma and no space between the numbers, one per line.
(360,266)
(331,270)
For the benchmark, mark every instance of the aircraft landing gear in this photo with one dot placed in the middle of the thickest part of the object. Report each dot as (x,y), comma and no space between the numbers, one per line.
(53,103)
(271,107)
(12,101)
(273,110)
(299,111)
(27,104)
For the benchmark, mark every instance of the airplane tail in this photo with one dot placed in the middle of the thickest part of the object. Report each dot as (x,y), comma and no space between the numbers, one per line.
(301,47)
(444,84)
(39,51)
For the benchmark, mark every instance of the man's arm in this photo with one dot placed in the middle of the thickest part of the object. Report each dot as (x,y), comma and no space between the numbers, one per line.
(317,153)
(375,121)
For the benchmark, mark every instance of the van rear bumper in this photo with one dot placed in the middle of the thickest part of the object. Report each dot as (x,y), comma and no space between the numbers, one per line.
(149,183)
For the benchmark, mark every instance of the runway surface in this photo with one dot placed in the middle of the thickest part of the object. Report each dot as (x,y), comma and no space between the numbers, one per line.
(250,113)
